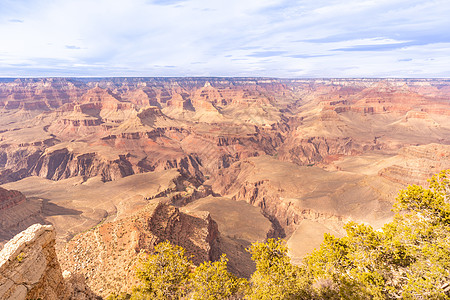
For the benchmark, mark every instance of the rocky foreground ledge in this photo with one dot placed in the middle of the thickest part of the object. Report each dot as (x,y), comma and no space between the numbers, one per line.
(29,268)
(100,261)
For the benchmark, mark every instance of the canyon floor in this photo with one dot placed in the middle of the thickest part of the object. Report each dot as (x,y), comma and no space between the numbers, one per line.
(232,160)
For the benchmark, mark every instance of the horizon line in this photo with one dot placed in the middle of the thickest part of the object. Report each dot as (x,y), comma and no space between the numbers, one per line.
(222,77)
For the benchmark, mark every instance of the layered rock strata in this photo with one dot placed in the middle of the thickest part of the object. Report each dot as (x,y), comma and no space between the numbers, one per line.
(418,163)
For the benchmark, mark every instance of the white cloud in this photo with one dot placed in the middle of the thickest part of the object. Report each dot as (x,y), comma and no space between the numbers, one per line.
(277,38)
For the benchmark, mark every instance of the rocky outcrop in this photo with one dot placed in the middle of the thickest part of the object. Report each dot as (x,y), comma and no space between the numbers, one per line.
(107,255)
(29,268)
(10,198)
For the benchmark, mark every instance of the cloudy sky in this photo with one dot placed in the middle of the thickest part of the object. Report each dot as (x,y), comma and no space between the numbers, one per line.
(271,38)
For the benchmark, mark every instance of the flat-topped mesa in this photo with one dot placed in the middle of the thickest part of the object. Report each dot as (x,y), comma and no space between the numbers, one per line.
(203,100)
(177,101)
(98,94)
(10,198)
(96,112)
(70,161)
(380,98)
(29,268)
(419,115)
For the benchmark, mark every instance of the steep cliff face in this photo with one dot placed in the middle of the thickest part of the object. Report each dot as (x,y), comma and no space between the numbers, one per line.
(38,94)
(76,160)
(108,254)
(16,161)
(64,163)
(304,151)
(29,268)
(240,224)
(285,214)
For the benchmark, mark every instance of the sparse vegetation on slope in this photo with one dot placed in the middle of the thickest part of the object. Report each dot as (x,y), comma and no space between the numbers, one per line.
(164,274)
(168,274)
(408,258)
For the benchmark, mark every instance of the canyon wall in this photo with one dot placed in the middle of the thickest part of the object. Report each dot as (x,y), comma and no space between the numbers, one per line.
(307,155)
(200,125)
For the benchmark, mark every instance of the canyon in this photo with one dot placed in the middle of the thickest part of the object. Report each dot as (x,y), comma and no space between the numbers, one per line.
(116,165)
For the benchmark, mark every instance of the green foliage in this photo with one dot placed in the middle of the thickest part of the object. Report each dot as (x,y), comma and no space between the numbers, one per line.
(121,296)
(211,281)
(348,264)
(275,277)
(168,274)
(409,258)
(440,183)
(164,274)
(20,257)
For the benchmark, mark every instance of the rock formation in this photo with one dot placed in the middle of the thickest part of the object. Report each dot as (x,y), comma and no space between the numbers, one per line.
(29,268)
(102,259)
(212,120)
(107,255)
